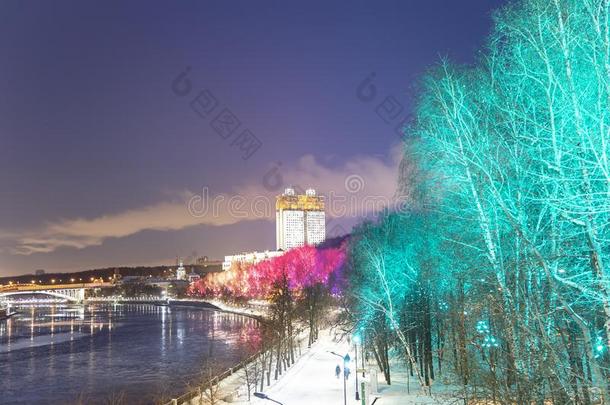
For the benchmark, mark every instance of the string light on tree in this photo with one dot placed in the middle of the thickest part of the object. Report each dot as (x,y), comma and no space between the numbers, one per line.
(490,342)
(600,348)
(482,327)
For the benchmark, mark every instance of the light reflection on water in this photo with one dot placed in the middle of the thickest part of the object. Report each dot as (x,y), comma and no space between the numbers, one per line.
(53,354)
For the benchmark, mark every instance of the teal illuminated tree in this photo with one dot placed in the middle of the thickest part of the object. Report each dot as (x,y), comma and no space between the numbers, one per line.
(393,263)
(512,158)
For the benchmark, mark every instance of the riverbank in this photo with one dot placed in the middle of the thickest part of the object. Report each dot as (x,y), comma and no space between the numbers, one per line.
(255,310)
(232,386)
(229,382)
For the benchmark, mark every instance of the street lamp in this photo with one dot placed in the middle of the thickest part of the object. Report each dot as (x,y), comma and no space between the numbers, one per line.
(346,360)
(265,396)
(356,340)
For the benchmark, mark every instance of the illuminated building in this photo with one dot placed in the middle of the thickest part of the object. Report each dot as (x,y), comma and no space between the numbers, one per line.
(300,219)
(181,272)
(251,258)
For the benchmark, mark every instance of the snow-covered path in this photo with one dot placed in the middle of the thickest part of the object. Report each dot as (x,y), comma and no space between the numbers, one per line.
(312,381)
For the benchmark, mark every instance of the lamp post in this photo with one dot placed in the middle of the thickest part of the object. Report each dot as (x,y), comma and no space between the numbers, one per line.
(346,360)
(265,396)
(363,359)
(356,340)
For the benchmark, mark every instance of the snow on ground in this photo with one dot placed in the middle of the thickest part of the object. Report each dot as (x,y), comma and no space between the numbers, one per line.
(311,381)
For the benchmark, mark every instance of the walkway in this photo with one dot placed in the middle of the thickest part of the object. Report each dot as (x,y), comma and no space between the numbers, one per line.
(312,381)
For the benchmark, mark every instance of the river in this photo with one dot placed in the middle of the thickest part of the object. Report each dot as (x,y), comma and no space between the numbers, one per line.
(88,354)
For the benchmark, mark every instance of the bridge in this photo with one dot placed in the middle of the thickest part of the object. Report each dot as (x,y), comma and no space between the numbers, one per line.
(71,292)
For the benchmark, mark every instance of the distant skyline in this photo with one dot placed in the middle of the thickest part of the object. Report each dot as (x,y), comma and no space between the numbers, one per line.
(100,156)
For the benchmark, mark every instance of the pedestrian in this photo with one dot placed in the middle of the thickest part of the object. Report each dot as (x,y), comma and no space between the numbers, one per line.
(337,371)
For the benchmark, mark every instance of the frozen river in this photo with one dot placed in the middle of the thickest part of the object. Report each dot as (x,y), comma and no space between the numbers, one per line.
(88,354)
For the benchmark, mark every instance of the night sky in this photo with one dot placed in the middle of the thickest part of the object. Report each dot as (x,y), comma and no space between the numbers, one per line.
(99,155)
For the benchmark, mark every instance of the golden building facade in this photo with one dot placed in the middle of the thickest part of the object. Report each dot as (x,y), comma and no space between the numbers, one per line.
(300,219)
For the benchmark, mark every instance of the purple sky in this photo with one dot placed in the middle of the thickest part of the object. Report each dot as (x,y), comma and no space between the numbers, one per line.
(98,155)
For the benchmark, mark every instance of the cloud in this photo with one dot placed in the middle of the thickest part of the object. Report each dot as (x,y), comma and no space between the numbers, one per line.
(348,189)
(82,232)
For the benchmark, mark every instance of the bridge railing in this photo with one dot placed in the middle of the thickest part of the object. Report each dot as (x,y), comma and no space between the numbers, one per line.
(38,287)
